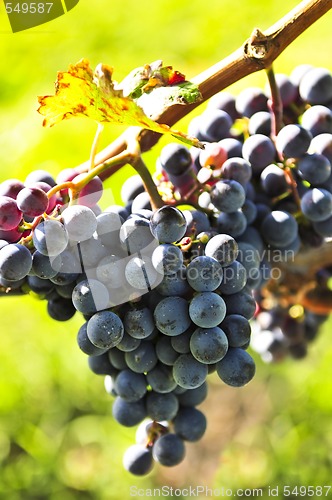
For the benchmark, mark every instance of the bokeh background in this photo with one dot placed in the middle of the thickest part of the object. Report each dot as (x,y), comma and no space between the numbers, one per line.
(57,436)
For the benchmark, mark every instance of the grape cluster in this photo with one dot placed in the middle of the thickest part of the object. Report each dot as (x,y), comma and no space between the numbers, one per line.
(167,295)
(154,293)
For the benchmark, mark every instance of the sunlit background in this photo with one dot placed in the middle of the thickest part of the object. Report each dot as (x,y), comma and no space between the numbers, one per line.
(57,436)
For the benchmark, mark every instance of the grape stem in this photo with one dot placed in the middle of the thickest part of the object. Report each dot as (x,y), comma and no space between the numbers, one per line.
(275,103)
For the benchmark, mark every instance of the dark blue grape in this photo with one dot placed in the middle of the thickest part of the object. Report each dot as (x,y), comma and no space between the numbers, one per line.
(314,168)
(175,158)
(293,141)
(50,237)
(250,101)
(316,86)
(214,125)
(237,368)
(142,359)
(169,450)
(223,248)
(15,261)
(131,187)
(234,279)
(160,378)
(318,120)
(227,195)
(190,424)
(226,102)
(234,223)
(161,407)
(85,344)
(105,329)
(168,224)
(259,151)
(208,345)
(260,123)
(207,309)
(128,414)
(237,328)
(171,316)
(138,460)
(194,397)
(279,228)
(90,296)
(273,180)
(316,204)
(204,274)
(130,386)
(138,322)
(60,309)
(167,259)
(188,372)
(240,303)
(237,169)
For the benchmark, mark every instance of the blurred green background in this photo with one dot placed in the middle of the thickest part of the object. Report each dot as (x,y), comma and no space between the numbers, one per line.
(57,436)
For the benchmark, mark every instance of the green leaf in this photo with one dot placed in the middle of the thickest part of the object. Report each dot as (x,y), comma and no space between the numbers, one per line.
(82,92)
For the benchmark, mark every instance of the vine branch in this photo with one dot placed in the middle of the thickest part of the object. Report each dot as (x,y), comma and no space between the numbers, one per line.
(257,53)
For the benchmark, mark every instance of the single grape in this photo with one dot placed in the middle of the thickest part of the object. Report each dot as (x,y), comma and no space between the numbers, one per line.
(314,168)
(204,274)
(130,386)
(237,169)
(161,406)
(50,237)
(207,309)
(128,414)
(227,195)
(316,204)
(15,261)
(223,248)
(316,86)
(80,222)
(240,303)
(32,201)
(279,228)
(250,101)
(167,259)
(168,224)
(10,214)
(138,322)
(138,460)
(208,345)
(90,296)
(293,141)
(172,316)
(188,372)
(160,378)
(237,368)
(143,359)
(234,278)
(105,329)
(237,329)
(190,424)
(168,450)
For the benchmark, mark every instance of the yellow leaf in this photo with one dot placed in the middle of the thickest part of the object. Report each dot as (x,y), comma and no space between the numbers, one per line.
(82,92)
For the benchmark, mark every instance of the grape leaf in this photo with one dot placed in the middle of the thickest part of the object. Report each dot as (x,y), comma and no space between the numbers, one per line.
(82,92)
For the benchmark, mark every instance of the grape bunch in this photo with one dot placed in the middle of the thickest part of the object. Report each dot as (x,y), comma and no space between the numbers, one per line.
(168,295)
(162,310)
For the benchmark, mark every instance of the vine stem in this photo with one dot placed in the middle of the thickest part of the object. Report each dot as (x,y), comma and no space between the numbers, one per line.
(257,53)
(95,143)
(275,103)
